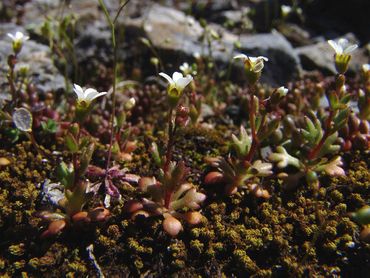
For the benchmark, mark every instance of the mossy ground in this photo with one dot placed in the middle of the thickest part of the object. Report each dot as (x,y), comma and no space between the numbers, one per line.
(295,233)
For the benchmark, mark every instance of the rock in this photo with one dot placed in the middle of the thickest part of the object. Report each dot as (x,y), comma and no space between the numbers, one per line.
(232,19)
(42,71)
(319,56)
(178,37)
(295,34)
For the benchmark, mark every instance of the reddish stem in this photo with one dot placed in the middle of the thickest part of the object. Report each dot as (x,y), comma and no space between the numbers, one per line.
(168,158)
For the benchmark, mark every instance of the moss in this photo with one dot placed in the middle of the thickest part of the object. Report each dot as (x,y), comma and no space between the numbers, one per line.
(17,250)
(46,261)
(114,232)
(138,263)
(34,263)
(330,247)
(135,246)
(197,246)
(336,195)
(330,231)
(77,267)
(19,264)
(106,241)
(2,263)
(309,249)
(242,259)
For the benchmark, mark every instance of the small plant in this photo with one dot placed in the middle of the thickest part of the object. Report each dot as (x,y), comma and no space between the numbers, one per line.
(313,151)
(170,196)
(75,189)
(356,133)
(241,169)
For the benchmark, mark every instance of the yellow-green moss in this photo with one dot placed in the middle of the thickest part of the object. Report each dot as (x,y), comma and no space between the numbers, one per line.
(245,261)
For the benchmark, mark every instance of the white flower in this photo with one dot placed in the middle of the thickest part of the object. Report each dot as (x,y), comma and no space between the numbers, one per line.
(130,104)
(342,46)
(19,37)
(178,81)
(196,55)
(187,69)
(285,10)
(282,91)
(254,64)
(88,95)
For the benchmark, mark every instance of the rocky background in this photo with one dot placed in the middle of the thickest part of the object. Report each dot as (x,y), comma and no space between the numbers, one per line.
(177,30)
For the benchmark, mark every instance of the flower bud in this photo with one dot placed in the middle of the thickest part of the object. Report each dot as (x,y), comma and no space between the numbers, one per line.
(130,104)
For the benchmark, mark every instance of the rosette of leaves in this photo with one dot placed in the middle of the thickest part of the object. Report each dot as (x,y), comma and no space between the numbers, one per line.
(236,172)
(171,197)
(313,151)
(70,202)
(75,189)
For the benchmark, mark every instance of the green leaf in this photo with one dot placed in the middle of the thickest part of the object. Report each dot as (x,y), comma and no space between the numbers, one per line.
(345,99)
(22,119)
(65,175)
(50,126)
(71,143)
(271,127)
(329,146)
(86,158)
(341,119)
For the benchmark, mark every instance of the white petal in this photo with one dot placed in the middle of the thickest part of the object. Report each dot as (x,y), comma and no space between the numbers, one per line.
(168,78)
(263,58)
(241,56)
(79,91)
(183,82)
(350,48)
(337,48)
(90,94)
(11,36)
(184,67)
(99,95)
(258,66)
(282,91)
(19,35)
(343,43)
(176,76)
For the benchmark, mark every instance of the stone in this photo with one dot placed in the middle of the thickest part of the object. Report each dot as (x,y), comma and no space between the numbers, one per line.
(178,36)
(42,70)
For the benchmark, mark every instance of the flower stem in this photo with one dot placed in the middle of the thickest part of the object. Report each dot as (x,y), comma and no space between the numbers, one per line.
(252,121)
(112,25)
(11,80)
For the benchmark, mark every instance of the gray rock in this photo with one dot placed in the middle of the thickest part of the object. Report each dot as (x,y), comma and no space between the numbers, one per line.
(177,35)
(42,71)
